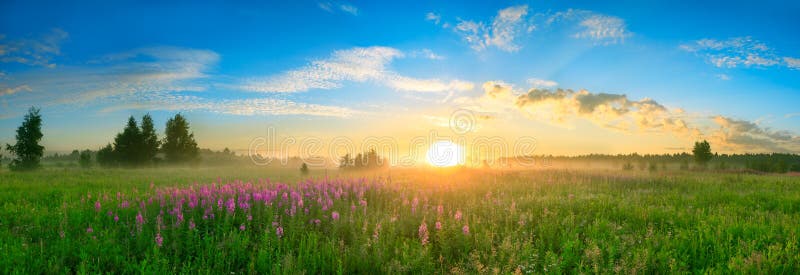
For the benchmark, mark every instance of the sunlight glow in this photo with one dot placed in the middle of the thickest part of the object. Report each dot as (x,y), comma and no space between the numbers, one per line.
(445,153)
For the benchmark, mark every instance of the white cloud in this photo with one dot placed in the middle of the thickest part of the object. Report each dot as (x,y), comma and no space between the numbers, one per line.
(435,18)
(38,52)
(723,77)
(349,9)
(739,52)
(793,63)
(541,83)
(11,91)
(604,29)
(353,65)
(426,53)
(332,7)
(502,32)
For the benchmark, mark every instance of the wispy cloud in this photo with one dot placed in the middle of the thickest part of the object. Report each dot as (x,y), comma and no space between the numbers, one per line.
(433,17)
(739,52)
(334,6)
(723,77)
(501,33)
(603,29)
(10,91)
(426,53)
(541,83)
(37,51)
(352,65)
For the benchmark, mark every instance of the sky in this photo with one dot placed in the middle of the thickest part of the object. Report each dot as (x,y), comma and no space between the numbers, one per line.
(569,77)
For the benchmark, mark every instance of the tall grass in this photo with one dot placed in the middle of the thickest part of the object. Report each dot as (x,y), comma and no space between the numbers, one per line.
(409,221)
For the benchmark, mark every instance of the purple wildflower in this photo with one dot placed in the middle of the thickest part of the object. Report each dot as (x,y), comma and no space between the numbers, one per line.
(423,233)
(159,239)
(279,232)
(335,215)
(465,229)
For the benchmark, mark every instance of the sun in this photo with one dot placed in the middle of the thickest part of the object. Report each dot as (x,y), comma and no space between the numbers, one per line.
(445,153)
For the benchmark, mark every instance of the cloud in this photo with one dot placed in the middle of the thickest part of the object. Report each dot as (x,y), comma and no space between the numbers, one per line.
(426,53)
(793,63)
(541,83)
(433,17)
(603,29)
(36,52)
(332,7)
(244,107)
(501,33)
(352,65)
(739,52)
(723,77)
(10,91)
(742,135)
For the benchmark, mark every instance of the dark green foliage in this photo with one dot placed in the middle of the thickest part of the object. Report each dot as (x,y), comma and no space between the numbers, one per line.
(702,152)
(150,142)
(106,156)
(85,159)
(304,169)
(128,145)
(179,144)
(27,151)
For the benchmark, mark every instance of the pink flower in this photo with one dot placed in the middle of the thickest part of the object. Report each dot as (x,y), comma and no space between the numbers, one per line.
(465,229)
(423,233)
(97,206)
(439,210)
(438,225)
(241,227)
(335,215)
(116,218)
(458,215)
(159,239)
(279,232)
(89,230)
(139,219)
(191,224)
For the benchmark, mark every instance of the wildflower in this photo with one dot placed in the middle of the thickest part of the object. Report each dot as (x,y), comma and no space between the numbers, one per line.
(335,215)
(377,231)
(423,233)
(116,218)
(465,229)
(97,206)
(439,210)
(89,230)
(241,227)
(159,239)
(191,224)
(249,217)
(317,221)
(458,215)
(139,219)
(438,225)
(279,232)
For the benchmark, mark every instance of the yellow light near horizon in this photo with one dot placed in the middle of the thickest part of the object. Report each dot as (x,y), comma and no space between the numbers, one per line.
(445,153)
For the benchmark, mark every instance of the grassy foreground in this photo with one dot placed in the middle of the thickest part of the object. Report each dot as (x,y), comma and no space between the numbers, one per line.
(269,221)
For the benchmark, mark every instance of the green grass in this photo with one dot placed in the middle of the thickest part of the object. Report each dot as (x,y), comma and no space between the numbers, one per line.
(529,222)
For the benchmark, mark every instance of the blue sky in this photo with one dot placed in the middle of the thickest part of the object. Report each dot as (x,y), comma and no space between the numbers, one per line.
(657,74)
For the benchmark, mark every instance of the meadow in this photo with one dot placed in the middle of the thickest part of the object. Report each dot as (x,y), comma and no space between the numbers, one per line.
(251,220)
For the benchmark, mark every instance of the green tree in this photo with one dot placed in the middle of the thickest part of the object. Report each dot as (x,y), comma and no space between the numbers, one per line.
(150,140)
(85,159)
(128,144)
(346,162)
(27,150)
(702,152)
(179,144)
(304,169)
(106,157)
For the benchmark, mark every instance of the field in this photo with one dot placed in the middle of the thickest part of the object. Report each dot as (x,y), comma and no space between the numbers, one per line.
(247,220)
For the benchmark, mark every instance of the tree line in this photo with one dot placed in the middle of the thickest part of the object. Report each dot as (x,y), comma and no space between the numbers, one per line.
(137,145)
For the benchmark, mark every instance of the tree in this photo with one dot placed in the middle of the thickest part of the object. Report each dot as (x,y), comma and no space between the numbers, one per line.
(150,140)
(179,144)
(27,150)
(106,157)
(345,162)
(304,169)
(85,159)
(702,152)
(128,144)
